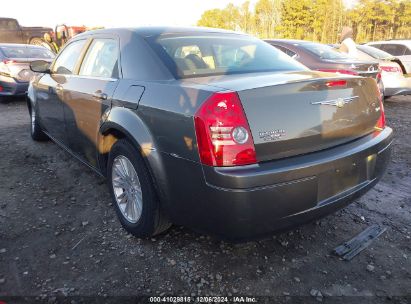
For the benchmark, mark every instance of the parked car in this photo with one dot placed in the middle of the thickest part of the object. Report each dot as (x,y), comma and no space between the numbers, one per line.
(398,48)
(321,57)
(211,129)
(392,70)
(12,32)
(15,72)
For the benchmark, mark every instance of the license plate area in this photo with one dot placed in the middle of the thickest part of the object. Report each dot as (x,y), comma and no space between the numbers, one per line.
(343,176)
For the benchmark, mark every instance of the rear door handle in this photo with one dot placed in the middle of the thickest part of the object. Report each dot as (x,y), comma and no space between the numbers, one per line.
(99,95)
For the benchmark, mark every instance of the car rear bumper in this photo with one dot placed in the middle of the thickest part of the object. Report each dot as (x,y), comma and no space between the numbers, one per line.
(10,87)
(245,202)
(396,84)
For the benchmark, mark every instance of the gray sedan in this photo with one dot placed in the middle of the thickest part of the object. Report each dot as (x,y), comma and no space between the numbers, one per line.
(15,72)
(211,129)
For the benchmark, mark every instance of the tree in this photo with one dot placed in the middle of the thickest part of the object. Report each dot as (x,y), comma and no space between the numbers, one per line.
(317,20)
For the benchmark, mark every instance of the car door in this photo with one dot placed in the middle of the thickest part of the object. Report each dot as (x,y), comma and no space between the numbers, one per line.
(50,94)
(88,96)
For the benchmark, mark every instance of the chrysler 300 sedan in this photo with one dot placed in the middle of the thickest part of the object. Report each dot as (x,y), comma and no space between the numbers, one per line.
(210,129)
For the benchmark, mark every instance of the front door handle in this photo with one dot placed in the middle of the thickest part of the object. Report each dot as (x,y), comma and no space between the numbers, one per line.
(99,95)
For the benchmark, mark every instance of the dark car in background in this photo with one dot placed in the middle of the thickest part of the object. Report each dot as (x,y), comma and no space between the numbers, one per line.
(321,57)
(210,129)
(15,72)
(12,32)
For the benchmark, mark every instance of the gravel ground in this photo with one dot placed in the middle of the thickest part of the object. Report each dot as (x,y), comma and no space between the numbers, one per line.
(59,235)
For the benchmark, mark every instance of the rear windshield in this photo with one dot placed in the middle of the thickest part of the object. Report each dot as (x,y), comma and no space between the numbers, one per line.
(205,55)
(26,52)
(374,52)
(324,51)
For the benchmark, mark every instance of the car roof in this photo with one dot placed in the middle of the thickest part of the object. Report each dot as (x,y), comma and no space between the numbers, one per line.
(406,42)
(20,45)
(291,41)
(148,31)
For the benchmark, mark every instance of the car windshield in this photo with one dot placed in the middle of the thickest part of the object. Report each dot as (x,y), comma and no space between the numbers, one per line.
(374,52)
(26,52)
(324,51)
(212,54)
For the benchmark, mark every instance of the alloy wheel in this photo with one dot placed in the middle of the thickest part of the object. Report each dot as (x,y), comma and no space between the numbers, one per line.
(127,189)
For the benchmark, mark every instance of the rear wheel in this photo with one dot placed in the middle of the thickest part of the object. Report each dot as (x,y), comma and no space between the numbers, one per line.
(36,41)
(36,132)
(133,193)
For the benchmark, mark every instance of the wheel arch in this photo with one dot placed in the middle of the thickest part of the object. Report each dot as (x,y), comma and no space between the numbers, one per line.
(123,123)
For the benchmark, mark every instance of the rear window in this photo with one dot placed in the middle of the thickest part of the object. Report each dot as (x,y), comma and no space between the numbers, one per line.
(323,51)
(394,49)
(205,55)
(26,52)
(374,52)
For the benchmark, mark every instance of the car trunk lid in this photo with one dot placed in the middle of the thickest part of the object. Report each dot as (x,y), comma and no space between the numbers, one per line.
(302,112)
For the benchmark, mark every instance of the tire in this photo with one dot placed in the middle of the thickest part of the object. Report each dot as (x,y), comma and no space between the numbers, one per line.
(137,205)
(36,132)
(36,41)
(3,99)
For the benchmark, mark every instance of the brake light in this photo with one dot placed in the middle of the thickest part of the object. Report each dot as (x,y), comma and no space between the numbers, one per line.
(6,61)
(349,72)
(223,134)
(336,83)
(381,121)
(390,69)
(1,88)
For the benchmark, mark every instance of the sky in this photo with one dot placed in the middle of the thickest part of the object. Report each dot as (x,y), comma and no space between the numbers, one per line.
(117,13)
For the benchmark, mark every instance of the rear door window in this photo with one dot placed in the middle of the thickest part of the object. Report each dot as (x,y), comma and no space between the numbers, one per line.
(394,49)
(287,51)
(66,61)
(101,59)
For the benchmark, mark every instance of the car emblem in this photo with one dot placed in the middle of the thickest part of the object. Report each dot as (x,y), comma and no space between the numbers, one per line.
(353,66)
(339,102)
(371,69)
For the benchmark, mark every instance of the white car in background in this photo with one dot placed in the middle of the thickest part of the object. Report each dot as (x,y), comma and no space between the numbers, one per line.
(392,70)
(398,48)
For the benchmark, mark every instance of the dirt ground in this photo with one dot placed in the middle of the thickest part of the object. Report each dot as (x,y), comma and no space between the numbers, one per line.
(59,236)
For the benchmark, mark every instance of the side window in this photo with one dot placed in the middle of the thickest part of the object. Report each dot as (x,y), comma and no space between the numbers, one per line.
(394,49)
(66,62)
(101,59)
(407,51)
(287,51)
(378,46)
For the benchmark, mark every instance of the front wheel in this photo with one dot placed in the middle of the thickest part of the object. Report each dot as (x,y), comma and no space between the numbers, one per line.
(133,193)
(36,132)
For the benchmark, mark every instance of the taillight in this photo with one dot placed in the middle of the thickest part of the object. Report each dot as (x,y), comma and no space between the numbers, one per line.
(223,134)
(390,69)
(6,61)
(336,83)
(349,72)
(381,121)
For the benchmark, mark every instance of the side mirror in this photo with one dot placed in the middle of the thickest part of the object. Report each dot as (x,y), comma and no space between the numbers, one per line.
(40,66)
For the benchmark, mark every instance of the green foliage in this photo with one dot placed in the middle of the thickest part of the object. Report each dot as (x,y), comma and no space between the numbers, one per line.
(317,20)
